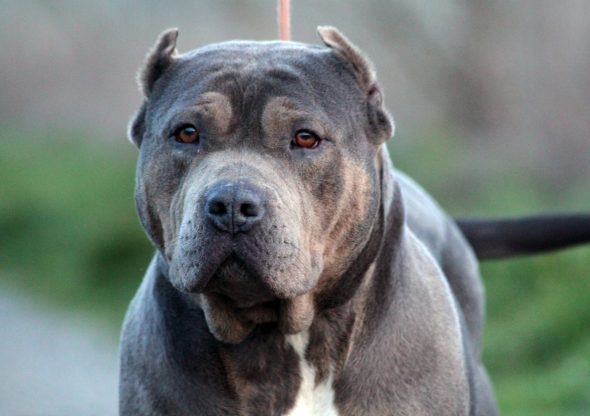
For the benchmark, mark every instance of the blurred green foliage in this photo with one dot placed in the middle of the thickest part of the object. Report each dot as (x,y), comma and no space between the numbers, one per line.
(69,232)
(68,227)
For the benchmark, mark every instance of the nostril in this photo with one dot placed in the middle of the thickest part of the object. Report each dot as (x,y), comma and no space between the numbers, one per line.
(217,208)
(234,207)
(248,209)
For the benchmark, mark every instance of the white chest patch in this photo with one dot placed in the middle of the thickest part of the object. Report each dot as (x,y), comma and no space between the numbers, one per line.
(311,400)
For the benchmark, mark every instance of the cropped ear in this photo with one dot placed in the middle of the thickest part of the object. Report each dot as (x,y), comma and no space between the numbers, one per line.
(158,60)
(380,125)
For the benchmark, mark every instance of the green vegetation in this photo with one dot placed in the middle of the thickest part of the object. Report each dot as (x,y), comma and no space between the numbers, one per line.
(69,233)
(68,228)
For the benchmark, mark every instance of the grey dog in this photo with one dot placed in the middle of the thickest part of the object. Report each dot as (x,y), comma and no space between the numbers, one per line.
(296,272)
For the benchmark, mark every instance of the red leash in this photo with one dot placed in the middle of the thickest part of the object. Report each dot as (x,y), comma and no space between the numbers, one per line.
(284,20)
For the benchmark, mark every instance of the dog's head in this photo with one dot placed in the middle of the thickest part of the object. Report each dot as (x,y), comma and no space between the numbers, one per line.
(258,176)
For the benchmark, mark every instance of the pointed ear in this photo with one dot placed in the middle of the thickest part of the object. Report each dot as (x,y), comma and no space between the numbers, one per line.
(380,125)
(158,60)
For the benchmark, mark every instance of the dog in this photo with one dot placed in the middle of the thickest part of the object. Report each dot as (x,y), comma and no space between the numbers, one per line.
(296,272)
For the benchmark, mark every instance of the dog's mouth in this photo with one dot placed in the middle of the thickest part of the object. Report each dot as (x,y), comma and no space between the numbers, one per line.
(236,286)
(236,281)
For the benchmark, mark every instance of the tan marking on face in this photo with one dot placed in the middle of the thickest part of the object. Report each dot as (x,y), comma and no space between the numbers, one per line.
(346,214)
(278,113)
(217,107)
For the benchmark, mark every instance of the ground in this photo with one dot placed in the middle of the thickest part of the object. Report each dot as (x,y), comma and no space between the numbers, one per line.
(54,363)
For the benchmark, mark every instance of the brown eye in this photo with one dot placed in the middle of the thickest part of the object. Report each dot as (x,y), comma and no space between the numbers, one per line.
(187,134)
(305,139)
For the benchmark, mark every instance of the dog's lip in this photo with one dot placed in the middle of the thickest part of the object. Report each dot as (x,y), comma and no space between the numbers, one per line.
(203,284)
(237,282)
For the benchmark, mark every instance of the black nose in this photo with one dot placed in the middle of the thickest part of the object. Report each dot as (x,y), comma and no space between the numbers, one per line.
(234,207)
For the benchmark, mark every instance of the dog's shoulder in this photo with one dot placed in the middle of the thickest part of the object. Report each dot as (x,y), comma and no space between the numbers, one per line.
(415,351)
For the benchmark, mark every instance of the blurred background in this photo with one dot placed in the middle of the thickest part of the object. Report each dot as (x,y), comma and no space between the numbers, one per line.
(492,105)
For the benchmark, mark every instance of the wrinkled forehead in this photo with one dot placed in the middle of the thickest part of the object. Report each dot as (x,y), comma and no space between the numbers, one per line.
(257,71)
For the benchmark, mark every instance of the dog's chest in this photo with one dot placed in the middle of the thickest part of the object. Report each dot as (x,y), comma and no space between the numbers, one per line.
(311,399)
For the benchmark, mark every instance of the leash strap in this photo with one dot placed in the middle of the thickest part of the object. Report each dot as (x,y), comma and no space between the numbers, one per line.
(284,19)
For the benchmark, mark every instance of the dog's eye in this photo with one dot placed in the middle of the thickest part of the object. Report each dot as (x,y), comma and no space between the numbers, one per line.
(305,139)
(187,134)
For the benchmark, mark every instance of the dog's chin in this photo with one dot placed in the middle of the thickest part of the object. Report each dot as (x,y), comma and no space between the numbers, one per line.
(235,281)
(235,302)
(233,325)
